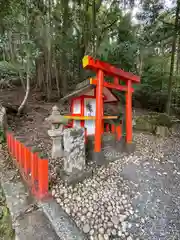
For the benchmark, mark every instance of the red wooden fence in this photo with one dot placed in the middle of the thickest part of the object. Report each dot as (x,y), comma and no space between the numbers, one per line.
(32,166)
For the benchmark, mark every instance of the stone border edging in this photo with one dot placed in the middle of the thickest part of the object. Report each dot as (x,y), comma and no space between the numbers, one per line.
(63,225)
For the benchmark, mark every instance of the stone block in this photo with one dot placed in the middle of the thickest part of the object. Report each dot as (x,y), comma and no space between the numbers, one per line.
(74,149)
(162,131)
(3,118)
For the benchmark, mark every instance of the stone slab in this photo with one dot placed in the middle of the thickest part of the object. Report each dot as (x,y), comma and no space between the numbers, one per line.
(35,226)
(64,226)
(74,149)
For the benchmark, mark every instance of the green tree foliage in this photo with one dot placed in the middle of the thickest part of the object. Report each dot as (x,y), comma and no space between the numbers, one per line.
(47,39)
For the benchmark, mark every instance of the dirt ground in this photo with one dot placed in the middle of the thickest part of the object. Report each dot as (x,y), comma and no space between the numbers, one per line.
(32,125)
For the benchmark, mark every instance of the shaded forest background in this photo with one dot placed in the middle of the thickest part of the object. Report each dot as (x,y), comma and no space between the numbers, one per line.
(42,44)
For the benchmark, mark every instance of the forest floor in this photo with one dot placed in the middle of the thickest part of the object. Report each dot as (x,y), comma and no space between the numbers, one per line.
(134,197)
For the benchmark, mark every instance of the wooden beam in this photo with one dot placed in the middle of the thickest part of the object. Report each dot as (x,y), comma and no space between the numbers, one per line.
(111,85)
(88,117)
(92,64)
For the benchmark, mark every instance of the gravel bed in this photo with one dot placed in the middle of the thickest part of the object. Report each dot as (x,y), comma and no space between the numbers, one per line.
(135,197)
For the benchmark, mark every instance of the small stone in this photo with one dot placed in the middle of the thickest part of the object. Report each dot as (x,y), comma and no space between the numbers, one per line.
(142,220)
(131,212)
(66,200)
(123,235)
(109,208)
(115,220)
(105,225)
(90,197)
(84,210)
(95,226)
(95,207)
(91,233)
(119,233)
(95,196)
(110,224)
(53,192)
(129,225)
(106,237)
(89,214)
(116,226)
(122,218)
(100,237)
(78,198)
(91,209)
(129,238)
(114,232)
(58,200)
(82,218)
(124,202)
(68,210)
(124,226)
(57,195)
(79,214)
(101,230)
(86,228)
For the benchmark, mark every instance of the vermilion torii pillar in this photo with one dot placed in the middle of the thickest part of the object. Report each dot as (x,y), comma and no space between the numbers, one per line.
(105,69)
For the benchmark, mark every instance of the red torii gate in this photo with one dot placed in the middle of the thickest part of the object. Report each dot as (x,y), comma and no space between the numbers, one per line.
(101,69)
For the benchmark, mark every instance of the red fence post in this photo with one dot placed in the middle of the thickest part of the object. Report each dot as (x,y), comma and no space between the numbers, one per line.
(43,179)
(34,169)
(12,145)
(19,151)
(27,160)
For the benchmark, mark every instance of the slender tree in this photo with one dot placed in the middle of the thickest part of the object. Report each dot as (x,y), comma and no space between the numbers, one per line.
(173,52)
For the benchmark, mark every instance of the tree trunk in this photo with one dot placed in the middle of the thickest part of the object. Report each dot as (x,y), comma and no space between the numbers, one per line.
(94,28)
(178,55)
(170,83)
(57,76)
(21,107)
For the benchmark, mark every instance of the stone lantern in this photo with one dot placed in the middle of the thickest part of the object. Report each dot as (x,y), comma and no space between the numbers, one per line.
(56,132)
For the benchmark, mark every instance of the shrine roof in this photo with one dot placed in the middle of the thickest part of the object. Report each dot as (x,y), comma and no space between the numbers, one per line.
(81,88)
(85,87)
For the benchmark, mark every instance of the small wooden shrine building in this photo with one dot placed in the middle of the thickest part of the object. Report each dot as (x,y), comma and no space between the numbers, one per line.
(87,101)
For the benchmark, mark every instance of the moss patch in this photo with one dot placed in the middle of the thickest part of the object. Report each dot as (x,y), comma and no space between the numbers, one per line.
(151,121)
(6,230)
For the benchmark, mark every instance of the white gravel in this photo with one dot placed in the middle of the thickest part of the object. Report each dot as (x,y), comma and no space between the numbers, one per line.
(101,206)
